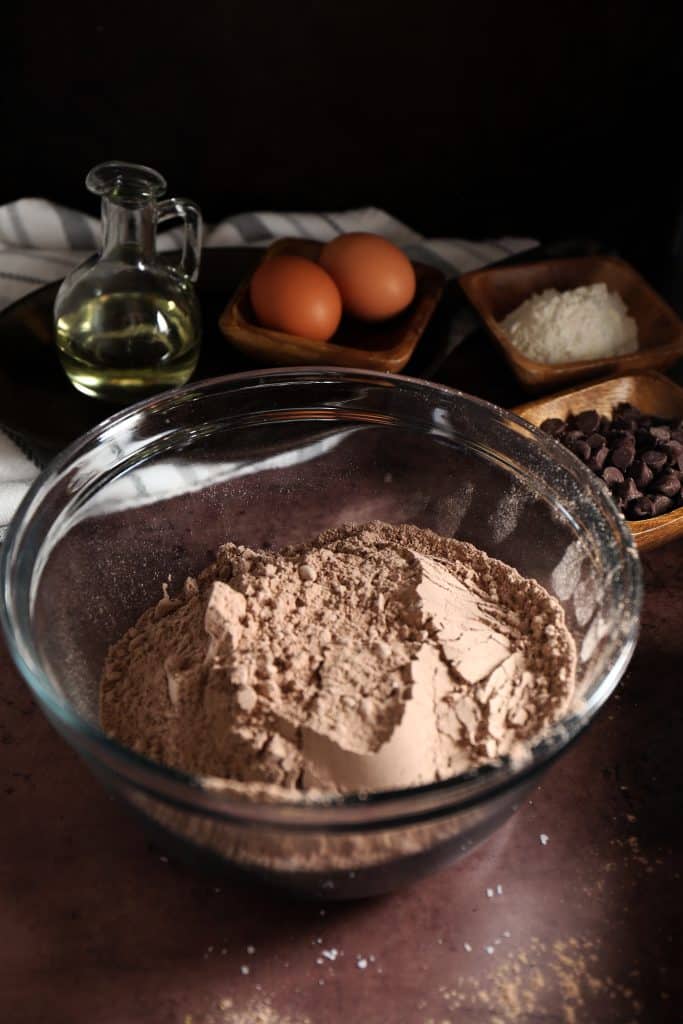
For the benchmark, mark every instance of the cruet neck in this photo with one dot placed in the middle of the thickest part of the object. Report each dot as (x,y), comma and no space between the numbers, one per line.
(128,231)
(129,193)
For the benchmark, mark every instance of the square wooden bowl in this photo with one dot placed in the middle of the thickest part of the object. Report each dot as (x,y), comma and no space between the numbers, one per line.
(385,346)
(497,291)
(652,393)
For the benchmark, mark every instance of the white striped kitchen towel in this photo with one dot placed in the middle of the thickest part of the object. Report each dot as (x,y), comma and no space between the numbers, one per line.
(17,472)
(41,241)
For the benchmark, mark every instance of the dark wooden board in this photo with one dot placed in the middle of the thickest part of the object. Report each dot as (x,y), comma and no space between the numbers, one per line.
(38,403)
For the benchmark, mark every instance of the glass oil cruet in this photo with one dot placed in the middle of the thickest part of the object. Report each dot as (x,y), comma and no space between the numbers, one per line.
(128,323)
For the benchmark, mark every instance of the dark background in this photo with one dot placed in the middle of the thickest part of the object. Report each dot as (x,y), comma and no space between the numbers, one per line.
(549,119)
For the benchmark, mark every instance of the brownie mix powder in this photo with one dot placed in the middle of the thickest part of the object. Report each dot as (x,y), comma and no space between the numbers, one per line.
(374,657)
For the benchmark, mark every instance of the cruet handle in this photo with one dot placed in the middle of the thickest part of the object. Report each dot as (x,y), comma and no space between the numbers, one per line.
(191,216)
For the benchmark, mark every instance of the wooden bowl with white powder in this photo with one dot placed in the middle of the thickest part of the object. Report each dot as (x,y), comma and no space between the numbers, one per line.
(556,328)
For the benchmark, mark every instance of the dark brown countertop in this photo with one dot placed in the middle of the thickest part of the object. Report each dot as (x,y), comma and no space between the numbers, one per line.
(96,925)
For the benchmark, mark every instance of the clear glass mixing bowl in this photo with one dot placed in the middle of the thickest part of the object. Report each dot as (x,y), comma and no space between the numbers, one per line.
(272,458)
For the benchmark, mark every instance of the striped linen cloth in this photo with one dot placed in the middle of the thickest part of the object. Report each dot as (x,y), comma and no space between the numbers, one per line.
(17,472)
(41,241)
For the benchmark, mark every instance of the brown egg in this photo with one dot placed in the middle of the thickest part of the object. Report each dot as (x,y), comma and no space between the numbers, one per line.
(296,296)
(376,280)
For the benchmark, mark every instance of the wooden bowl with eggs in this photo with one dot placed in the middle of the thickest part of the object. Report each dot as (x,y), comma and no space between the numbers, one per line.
(386,345)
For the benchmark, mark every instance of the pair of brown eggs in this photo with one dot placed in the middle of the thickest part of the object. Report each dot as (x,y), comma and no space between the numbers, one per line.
(360,274)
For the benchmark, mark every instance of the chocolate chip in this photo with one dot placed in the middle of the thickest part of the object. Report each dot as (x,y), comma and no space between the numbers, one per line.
(641,508)
(655,460)
(674,453)
(641,473)
(622,457)
(660,434)
(643,439)
(553,426)
(624,423)
(617,437)
(666,483)
(638,455)
(661,505)
(627,490)
(582,449)
(598,459)
(588,421)
(628,410)
(611,475)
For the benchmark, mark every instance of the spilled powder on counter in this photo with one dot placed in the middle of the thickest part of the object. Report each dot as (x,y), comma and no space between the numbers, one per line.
(258,1010)
(558,980)
(374,657)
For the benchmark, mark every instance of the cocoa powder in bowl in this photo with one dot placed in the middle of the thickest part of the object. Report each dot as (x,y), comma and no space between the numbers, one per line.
(374,657)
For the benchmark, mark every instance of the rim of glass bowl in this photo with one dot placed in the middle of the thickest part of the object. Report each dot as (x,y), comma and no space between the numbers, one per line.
(375,810)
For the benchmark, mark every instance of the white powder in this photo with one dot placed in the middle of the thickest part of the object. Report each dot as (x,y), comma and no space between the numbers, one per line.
(564,327)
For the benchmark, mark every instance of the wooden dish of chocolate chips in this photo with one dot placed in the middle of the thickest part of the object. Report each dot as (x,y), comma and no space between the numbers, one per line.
(629,431)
